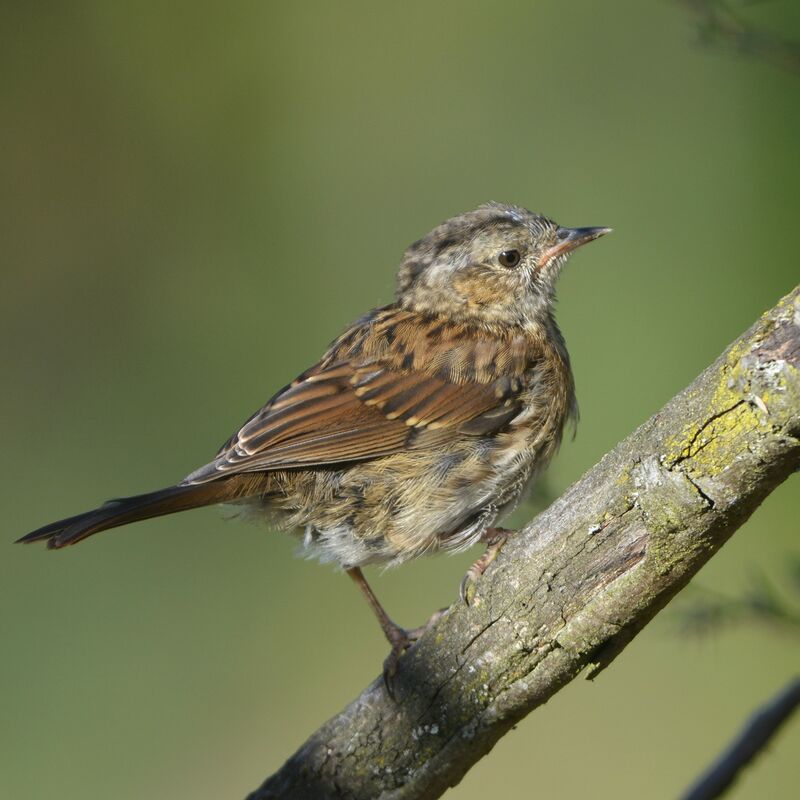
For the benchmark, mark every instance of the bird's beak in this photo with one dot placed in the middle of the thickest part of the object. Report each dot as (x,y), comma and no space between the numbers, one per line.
(569,239)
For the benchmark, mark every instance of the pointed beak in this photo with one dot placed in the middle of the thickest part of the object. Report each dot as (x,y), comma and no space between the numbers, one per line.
(569,239)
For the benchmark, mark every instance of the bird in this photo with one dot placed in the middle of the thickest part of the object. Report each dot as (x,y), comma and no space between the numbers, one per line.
(421,425)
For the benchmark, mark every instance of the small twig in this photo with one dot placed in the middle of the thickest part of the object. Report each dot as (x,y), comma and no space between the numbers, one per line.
(753,738)
(706,611)
(721,24)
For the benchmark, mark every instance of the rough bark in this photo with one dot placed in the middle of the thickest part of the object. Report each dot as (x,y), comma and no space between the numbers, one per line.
(572,589)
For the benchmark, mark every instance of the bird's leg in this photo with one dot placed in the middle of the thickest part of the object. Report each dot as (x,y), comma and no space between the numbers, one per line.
(399,638)
(494,538)
(393,632)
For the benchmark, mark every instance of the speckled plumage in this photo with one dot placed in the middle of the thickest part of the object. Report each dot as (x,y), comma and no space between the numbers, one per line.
(421,424)
(442,405)
(462,431)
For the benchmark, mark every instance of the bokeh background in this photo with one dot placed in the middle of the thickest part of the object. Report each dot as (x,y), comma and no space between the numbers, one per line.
(198,197)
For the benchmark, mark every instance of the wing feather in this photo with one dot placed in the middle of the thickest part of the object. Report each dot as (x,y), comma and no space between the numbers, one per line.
(363,400)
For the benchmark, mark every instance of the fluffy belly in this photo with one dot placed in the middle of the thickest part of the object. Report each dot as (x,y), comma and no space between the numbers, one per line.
(392,509)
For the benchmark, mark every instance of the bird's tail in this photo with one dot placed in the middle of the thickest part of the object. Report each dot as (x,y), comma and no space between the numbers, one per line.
(129,509)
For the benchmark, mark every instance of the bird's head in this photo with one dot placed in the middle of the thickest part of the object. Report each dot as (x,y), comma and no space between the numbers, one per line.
(496,265)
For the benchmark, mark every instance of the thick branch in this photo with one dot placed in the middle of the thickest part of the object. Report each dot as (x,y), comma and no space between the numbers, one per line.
(575,587)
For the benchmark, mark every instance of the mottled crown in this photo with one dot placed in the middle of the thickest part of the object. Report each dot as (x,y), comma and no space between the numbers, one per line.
(461,229)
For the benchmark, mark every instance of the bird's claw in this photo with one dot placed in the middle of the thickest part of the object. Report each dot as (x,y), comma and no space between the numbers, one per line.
(401,639)
(495,538)
(390,664)
(469,585)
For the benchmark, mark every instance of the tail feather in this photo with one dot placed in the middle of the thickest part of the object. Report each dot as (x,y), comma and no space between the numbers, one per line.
(129,509)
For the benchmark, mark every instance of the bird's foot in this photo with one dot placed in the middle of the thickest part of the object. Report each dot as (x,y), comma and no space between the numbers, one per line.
(495,538)
(401,639)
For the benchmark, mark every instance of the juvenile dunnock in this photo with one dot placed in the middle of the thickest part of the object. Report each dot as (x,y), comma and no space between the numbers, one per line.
(421,424)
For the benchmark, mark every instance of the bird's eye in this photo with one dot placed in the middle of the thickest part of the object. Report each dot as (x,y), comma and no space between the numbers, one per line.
(563,234)
(509,258)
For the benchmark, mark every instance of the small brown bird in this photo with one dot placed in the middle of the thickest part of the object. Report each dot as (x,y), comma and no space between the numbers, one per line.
(422,423)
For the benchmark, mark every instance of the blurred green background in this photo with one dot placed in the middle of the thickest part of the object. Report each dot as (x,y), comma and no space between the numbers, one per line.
(198,198)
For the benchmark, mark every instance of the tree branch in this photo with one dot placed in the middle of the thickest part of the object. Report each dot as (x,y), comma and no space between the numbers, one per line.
(574,587)
(752,739)
(722,24)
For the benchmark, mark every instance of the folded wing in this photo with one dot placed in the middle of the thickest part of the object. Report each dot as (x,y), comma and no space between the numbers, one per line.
(359,408)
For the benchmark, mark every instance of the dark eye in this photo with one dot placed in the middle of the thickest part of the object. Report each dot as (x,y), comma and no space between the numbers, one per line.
(509,258)
(562,234)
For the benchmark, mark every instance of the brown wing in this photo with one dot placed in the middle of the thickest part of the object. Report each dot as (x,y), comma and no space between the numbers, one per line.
(360,407)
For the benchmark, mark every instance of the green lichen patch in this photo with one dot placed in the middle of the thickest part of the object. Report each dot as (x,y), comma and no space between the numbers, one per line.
(707,448)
